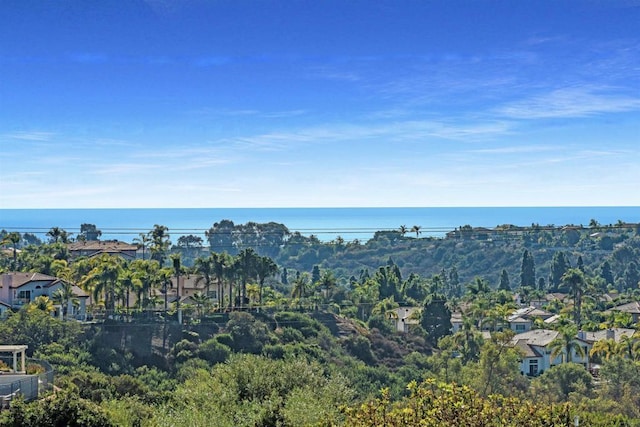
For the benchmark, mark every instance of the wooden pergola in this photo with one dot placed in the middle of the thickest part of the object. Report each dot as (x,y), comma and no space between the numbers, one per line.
(16,350)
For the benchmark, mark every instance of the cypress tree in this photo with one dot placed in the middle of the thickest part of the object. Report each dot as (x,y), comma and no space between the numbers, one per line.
(528,270)
(504,281)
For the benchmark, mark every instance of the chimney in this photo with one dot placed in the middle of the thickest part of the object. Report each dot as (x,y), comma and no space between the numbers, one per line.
(610,334)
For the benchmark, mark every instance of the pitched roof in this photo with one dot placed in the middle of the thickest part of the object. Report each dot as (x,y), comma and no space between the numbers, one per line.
(527,350)
(537,337)
(17,279)
(102,245)
(631,307)
(613,333)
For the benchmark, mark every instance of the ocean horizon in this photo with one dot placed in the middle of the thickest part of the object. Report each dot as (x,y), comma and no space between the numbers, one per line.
(326,223)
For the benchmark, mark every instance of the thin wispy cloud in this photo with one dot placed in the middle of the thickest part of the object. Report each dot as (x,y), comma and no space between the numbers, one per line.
(570,103)
(30,136)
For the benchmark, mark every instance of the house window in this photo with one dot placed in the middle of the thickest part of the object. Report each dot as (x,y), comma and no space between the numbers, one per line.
(24,295)
(533,367)
(519,328)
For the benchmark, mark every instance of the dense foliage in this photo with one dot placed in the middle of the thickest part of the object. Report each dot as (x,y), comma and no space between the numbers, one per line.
(305,333)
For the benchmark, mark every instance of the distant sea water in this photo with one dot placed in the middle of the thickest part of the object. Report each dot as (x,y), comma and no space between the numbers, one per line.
(325,223)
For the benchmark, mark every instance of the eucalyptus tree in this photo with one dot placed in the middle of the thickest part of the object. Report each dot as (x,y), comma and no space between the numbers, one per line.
(13,239)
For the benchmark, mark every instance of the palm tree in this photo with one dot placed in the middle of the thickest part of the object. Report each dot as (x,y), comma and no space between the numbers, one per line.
(64,297)
(103,278)
(574,279)
(327,283)
(416,229)
(54,233)
(42,303)
(129,281)
(403,230)
(201,302)
(221,263)
(205,268)
(605,349)
(265,267)
(177,268)
(159,242)
(630,347)
(142,241)
(567,343)
(246,263)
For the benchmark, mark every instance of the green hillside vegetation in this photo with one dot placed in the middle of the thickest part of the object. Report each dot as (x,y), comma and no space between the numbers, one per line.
(307,334)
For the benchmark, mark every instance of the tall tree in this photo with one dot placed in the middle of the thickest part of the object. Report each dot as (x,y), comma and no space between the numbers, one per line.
(631,276)
(436,318)
(89,232)
(528,270)
(103,278)
(559,266)
(142,241)
(504,281)
(416,229)
(13,239)
(246,263)
(204,267)
(177,269)
(159,243)
(606,273)
(575,281)
(265,267)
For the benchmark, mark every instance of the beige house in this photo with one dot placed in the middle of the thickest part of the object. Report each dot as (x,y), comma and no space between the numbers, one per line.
(91,248)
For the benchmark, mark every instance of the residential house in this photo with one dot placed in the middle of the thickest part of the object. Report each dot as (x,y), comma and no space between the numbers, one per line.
(456,321)
(18,289)
(91,248)
(632,308)
(190,284)
(403,317)
(615,334)
(522,319)
(536,351)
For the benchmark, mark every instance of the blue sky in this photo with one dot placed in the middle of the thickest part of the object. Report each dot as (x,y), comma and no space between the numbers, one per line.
(234,103)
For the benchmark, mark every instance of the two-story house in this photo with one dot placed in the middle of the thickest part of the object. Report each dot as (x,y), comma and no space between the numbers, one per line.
(537,357)
(18,289)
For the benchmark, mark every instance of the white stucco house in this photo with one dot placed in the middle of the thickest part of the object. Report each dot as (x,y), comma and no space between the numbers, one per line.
(403,317)
(18,289)
(536,351)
